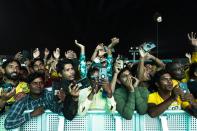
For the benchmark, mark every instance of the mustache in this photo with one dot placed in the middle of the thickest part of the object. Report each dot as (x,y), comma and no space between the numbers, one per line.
(13,74)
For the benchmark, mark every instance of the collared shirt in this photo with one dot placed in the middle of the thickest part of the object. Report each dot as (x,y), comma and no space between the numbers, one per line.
(16,118)
(99,102)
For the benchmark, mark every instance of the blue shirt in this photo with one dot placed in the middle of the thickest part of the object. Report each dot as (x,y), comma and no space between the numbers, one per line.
(16,116)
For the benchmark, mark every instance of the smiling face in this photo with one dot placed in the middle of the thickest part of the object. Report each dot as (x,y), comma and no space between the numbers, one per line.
(12,70)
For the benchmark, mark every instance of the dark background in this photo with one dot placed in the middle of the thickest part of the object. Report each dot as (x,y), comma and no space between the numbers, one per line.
(27,24)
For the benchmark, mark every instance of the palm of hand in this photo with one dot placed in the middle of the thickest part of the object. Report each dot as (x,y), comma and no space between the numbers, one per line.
(194,42)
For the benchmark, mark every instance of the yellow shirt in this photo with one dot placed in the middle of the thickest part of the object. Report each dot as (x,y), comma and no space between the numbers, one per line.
(156,99)
(194,57)
(21,87)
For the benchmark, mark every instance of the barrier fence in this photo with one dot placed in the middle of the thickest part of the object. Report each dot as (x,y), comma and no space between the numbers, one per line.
(100,121)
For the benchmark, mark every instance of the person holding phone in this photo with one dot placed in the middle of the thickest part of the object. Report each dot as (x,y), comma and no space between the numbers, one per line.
(92,98)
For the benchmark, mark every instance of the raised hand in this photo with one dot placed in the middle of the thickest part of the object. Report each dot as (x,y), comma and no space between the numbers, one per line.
(56,53)
(189,56)
(118,65)
(74,91)
(46,53)
(142,53)
(100,46)
(137,81)
(192,38)
(36,53)
(70,54)
(79,45)
(18,56)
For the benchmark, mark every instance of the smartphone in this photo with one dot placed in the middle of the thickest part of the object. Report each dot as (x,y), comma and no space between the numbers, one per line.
(103,73)
(83,83)
(148,46)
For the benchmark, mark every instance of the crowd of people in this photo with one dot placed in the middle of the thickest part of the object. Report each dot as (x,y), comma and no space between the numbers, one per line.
(73,85)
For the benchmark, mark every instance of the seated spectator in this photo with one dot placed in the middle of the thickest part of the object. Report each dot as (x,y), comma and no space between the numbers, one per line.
(128,95)
(168,97)
(37,100)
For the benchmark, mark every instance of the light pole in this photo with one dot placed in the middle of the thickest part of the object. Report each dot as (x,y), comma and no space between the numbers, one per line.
(158,19)
(134,51)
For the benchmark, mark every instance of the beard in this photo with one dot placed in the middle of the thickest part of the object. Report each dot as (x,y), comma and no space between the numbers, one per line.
(12,76)
(41,72)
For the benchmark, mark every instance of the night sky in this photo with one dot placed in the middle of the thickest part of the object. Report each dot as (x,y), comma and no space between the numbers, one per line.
(27,24)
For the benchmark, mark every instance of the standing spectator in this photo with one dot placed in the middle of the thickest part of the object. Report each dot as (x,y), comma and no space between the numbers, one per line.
(37,100)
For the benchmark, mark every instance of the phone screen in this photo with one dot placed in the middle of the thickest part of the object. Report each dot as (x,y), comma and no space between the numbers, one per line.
(103,73)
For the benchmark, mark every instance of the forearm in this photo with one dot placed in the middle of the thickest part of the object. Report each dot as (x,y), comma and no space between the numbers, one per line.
(94,55)
(15,121)
(159,109)
(159,62)
(82,66)
(140,70)
(113,82)
(126,106)
(141,103)
(83,51)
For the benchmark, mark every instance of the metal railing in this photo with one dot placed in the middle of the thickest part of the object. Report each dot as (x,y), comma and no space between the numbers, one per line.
(100,121)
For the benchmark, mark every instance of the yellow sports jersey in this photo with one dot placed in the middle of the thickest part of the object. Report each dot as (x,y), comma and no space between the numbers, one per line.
(176,82)
(194,57)
(21,87)
(155,98)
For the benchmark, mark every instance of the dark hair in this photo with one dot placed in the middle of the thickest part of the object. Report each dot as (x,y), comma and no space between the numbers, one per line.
(170,66)
(123,70)
(62,63)
(24,68)
(91,71)
(36,59)
(158,75)
(192,69)
(4,65)
(33,76)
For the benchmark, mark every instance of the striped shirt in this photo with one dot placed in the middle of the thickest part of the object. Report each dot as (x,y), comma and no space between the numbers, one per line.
(16,116)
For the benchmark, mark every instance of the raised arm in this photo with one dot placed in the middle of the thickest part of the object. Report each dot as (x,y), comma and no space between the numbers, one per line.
(82,60)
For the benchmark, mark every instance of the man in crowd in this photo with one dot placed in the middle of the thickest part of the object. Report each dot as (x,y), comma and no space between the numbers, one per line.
(168,97)
(11,89)
(37,100)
